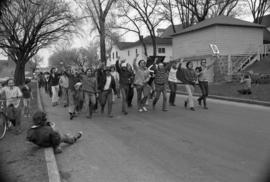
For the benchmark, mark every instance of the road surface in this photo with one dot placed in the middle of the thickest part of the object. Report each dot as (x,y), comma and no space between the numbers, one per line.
(227,143)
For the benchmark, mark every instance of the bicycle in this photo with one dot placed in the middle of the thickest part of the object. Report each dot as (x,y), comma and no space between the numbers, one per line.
(5,123)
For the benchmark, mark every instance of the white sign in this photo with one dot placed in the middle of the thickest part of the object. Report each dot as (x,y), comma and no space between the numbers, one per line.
(215,49)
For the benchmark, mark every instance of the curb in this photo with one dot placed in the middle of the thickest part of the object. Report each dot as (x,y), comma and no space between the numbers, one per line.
(247,101)
(53,172)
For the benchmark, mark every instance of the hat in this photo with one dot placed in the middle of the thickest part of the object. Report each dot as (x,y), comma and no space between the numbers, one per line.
(39,118)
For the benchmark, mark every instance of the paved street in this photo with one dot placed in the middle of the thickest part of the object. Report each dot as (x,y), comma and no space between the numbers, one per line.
(227,143)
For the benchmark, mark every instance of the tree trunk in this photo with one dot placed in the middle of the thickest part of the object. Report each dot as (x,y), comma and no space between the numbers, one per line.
(19,75)
(144,45)
(154,45)
(102,42)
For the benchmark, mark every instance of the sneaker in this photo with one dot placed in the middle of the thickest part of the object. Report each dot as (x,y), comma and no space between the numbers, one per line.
(140,110)
(185,104)
(192,109)
(110,116)
(71,116)
(78,135)
(171,104)
(125,112)
(164,110)
(145,109)
(205,107)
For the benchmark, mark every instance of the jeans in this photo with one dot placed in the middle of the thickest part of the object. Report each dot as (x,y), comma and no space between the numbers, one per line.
(55,97)
(173,88)
(161,89)
(141,100)
(71,105)
(91,100)
(124,92)
(204,89)
(106,96)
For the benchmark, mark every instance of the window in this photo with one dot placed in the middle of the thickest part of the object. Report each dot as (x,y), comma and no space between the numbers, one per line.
(128,53)
(113,55)
(161,50)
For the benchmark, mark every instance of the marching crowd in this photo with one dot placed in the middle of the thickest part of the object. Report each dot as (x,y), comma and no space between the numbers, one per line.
(96,87)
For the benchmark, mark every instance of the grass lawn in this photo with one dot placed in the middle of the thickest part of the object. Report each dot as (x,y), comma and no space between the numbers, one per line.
(260,92)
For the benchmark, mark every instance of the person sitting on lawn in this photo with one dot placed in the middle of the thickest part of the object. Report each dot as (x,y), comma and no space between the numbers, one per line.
(43,134)
(246,82)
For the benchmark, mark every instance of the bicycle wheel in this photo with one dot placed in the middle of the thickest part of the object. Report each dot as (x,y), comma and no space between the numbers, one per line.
(3,126)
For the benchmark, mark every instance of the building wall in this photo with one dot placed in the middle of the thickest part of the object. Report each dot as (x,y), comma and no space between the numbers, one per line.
(229,39)
(238,40)
(194,43)
(167,54)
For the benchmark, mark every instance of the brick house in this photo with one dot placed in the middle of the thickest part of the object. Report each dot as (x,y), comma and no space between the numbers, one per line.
(238,41)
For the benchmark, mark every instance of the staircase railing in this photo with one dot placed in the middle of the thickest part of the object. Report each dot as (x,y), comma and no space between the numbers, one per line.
(250,60)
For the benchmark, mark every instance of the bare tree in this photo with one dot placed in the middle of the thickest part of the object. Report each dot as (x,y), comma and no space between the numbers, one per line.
(34,62)
(130,22)
(29,26)
(258,9)
(98,11)
(203,9)
(148,14)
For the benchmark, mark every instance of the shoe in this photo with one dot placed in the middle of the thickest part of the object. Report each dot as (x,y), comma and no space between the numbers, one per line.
(145,109)
(205,107)
(140,110)
(125,112)
(199,102)
(57,150)
(78,135)
(192,109)
(89,117)
(185,104)
(65,105)
(110,116)
(71,116)
(171,104)
(164,110)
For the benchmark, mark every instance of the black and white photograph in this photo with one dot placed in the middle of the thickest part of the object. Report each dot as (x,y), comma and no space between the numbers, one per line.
(134,90)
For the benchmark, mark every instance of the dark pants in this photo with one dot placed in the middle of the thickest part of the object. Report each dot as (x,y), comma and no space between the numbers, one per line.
(204,89)
(106,97)
(173,88)
(130,94)
(124,92)
(141,101)
(161,89)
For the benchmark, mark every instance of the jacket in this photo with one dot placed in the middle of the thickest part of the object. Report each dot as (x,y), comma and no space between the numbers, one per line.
(187,76)
(102,81)
(126,76)
(89,84)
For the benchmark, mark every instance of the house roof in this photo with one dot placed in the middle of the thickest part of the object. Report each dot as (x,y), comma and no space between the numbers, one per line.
(219,20)
(147,41)
(168,32)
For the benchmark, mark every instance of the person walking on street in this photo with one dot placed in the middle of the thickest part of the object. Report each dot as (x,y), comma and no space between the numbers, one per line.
(126,78)
(106,87)
(115,75)
(203,82)
(63,82)
(142,76)
(172,82)
(188,77)
(161,78)
(54,82)
(89,87)
(27,96)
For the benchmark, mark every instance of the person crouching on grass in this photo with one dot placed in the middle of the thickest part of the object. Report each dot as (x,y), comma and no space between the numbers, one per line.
(43,134)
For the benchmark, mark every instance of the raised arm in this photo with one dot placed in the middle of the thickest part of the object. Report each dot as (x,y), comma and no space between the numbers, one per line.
(135,63)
